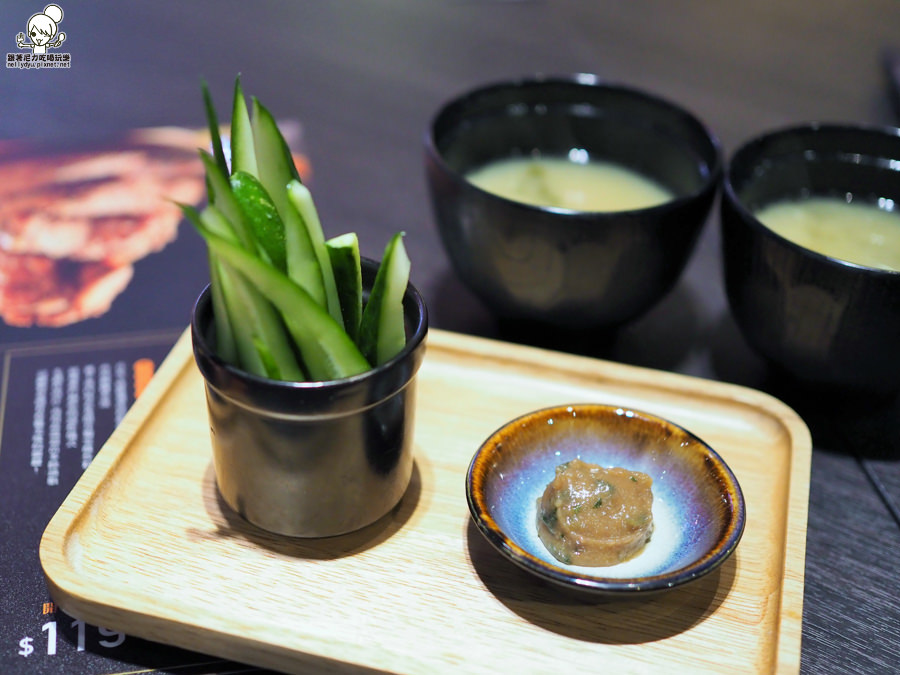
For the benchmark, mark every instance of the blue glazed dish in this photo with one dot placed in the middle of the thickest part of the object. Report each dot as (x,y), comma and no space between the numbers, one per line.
(698,506)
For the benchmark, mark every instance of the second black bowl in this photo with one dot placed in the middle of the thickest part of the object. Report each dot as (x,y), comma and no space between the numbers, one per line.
(821,320)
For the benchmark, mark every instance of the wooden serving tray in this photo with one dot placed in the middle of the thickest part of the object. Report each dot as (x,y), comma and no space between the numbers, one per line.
(144,545)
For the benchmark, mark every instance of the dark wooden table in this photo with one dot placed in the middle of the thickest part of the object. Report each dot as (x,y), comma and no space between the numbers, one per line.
(364,79)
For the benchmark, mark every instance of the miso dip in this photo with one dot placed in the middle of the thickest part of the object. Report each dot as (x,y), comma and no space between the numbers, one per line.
(860,233)
(561,183)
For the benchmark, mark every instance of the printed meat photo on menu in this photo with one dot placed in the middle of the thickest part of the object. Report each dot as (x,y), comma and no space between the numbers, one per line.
(73,222)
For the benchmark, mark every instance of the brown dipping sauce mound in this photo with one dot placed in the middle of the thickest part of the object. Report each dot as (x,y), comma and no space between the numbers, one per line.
(593,516)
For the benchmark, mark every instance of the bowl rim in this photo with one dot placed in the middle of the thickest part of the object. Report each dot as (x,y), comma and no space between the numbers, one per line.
(729,193)
(710,181)
(599,584)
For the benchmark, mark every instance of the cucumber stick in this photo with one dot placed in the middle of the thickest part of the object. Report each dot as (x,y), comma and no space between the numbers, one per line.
(249,330)
(222,196)
(273,156)
(287,303)
(301,262)
(276,170)
(262,344)
(212,219)
(225,342)
(327,351)
(308,261)
(343,251)
(300,197)
(382,332)
(246,356)
(262,216)
(243,153)
(212,121)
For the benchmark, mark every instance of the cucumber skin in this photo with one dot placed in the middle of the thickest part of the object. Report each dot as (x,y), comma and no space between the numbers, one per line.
(243,151)
(265,241)
(327,351)
(249,330)
(262,217)
(301,199)
(222,197)
(276,172)
(212,121)
(347,269)
(382,330)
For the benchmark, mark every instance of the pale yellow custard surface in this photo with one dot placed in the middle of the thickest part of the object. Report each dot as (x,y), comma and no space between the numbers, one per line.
(562,183)
(859,233)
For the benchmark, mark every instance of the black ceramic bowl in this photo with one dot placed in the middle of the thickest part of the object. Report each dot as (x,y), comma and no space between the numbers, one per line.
(821,320)
(568,268)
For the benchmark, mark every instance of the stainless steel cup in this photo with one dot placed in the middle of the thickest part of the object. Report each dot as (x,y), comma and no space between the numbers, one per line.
(312,459)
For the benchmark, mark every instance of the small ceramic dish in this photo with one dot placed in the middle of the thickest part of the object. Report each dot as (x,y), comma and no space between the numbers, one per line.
(698,507)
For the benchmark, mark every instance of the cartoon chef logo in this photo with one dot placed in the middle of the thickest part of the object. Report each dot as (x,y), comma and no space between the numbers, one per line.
(43,30)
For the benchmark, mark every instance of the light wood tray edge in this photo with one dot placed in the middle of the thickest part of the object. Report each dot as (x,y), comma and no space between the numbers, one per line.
(66,587)
(63,582)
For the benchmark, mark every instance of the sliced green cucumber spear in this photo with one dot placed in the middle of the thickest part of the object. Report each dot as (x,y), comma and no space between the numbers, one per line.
(300,197)
(343,251)
(273,155)
(382,332)
(226,346)
(262,216)
(222,196)
(243,152)
(226,341)
(212,120)
(276,170)
(262,342)
(249,330)
(279,289)
(327,351)
(247,358)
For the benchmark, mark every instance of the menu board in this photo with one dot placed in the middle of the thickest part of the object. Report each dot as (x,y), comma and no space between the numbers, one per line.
(98,275)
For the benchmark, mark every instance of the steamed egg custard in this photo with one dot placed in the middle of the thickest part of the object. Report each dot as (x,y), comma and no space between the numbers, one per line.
(561,183)
(860,233)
